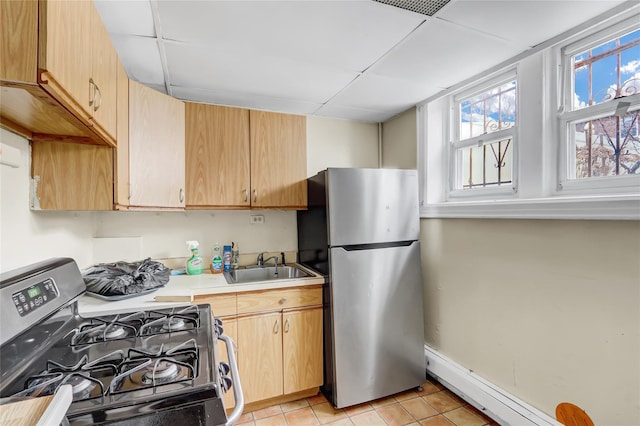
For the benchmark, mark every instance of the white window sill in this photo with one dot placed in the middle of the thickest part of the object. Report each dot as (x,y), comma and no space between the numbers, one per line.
(625,207)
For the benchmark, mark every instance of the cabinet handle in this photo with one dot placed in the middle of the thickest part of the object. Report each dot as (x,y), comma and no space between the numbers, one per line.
(276,327)
(283,301)
(181,195)
(98,104)
(255,195)
(92,96)
(286,325)
(246,195)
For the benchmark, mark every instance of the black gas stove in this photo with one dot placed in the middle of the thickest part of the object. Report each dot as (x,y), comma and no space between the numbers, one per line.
(146,367)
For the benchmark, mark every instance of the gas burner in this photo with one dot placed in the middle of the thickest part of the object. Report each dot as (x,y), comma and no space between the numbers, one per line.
(101,331)
(114,332)
(163,371)
(81,386)
(174,324)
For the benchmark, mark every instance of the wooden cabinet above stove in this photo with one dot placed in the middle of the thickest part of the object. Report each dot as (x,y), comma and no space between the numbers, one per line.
(58,73)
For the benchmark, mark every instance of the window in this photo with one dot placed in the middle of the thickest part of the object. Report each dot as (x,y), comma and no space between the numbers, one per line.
(600,118)
(482,150)
(552,133)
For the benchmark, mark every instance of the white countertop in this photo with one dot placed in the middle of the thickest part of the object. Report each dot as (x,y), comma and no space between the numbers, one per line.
(186,285)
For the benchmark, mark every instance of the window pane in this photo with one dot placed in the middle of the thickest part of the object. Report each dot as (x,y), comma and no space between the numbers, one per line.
(607,71)
(489,111)
(608,146)
(488,165)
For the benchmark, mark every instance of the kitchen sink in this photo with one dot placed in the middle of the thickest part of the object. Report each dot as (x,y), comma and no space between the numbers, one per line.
(265,273)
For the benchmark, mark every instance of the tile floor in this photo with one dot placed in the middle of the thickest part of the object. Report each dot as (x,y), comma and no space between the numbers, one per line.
(433,406)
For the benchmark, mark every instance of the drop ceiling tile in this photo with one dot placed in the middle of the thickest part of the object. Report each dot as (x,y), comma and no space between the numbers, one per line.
(377,92)
(127,17)
(216,69)
(525,22)
(235,99)
(349,34)
(140,57)
(358,114)
(443,54)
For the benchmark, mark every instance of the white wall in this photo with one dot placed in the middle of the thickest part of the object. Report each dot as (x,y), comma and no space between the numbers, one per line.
(333,142)
(399,137)
(29,236)
(548,310)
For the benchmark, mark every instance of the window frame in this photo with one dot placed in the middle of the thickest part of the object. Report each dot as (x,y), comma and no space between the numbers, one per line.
(538,144)
(605,185)
(454,191)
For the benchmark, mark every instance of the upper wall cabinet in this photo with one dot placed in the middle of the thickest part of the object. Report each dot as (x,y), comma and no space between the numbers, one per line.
(238,158)
(217,155)
(156,149)
(60,83)
(278,160)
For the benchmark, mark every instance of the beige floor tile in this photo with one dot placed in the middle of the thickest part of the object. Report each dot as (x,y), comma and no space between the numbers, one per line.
(294,405)
(301,417)
(442,402)
(463,417)
(405,395)
(318,399)
(246,417)
(272,421)
(327,414)
(419,408)
(357,409)
(267,412)
(341,422)
(249,423)
(438,420)
(370,418)
(455,397)
(383,401)
(395,415)
(478,412)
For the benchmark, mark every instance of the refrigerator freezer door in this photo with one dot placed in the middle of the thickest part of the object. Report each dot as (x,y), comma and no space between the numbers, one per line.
(377,323)
(368,206)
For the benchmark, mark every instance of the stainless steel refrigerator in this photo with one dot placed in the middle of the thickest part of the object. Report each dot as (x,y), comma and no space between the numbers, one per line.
(361,231)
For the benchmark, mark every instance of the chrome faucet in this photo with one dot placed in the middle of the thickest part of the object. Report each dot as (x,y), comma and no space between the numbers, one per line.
(261,260)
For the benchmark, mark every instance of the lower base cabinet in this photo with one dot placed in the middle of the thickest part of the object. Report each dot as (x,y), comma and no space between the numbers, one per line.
(278,337)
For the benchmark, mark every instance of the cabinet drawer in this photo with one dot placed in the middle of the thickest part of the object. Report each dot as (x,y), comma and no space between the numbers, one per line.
(270,300)
(222,305)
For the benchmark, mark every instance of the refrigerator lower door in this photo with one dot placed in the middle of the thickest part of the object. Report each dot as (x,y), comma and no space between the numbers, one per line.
(377,324)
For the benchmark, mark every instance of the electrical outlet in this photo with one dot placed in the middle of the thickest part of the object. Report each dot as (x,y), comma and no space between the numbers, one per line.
(257,219)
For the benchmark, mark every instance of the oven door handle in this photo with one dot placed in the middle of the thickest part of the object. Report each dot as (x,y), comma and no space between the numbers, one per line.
(237,387)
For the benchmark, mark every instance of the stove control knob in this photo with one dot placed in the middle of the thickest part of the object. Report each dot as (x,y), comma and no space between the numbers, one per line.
(224,369)
(226,383)
(217,324)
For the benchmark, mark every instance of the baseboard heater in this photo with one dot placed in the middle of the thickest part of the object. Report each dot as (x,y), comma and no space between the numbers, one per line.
(495,402)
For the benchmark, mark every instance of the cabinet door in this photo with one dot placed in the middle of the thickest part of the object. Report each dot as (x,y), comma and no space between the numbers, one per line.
(103,72)
(278,160)
(302,349)
(71,176)
(260,356)
(217,155)
(65,50)
(156,148)
(231,330)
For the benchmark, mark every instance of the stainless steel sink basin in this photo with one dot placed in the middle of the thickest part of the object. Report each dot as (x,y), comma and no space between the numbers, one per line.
(266,273)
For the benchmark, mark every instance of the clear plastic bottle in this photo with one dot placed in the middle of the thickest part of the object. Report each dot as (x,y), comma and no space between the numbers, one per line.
(235,256)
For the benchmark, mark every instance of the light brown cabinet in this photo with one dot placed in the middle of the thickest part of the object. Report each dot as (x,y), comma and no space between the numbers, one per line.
(239,158)
(279,341)
(217,156)
(156,149)
(278,160)
(71,176)
(61,81)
